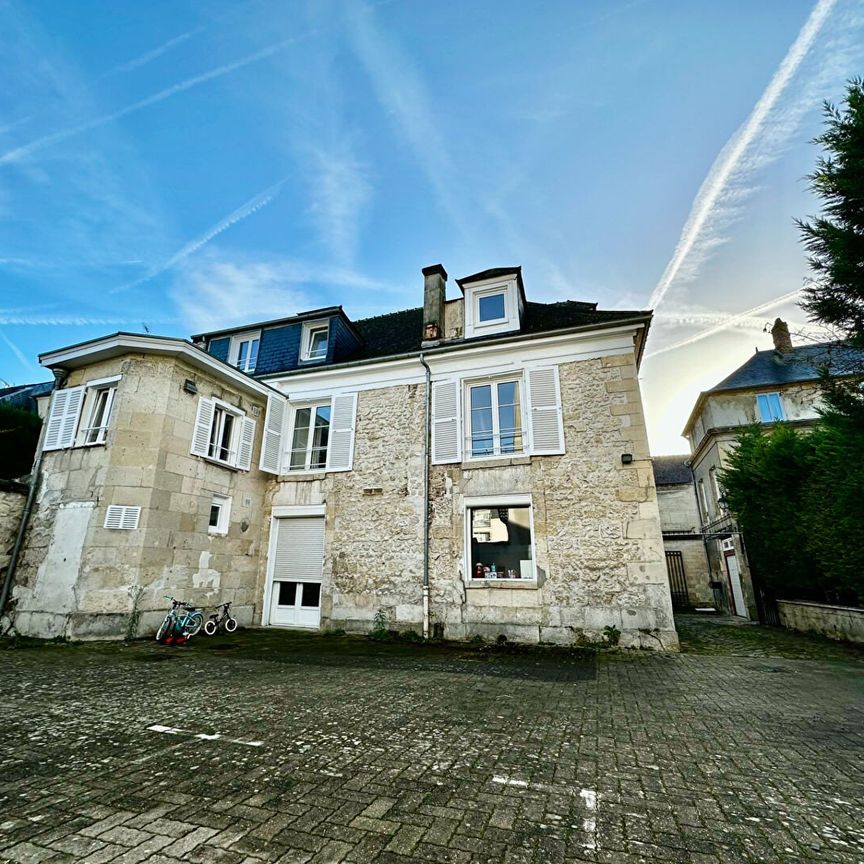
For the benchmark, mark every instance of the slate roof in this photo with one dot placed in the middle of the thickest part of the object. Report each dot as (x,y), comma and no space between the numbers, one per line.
(402,332)
(802,363)
(672,470)
(24,395)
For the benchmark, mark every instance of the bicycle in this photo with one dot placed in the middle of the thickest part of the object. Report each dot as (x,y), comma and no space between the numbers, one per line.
(221,619)
(179,625)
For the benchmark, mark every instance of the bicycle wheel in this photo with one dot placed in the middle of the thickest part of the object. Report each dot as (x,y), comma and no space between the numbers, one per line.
(194,622)
(230,625)
(209,626)
(164,628)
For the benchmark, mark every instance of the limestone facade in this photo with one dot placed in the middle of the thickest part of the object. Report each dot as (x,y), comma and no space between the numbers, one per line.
(78,579)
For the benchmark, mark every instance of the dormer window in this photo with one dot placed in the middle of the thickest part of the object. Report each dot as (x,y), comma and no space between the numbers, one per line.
(243,352)
(492,306)
(316,338)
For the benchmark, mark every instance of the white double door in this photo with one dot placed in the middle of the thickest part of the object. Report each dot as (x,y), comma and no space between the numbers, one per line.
(295,566)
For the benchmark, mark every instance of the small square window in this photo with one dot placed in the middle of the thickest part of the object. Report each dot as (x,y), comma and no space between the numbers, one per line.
(316,339)
(491,307)
(501,542)
(220,515)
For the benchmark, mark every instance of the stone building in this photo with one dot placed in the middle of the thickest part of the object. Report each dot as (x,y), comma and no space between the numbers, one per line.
(779,385)
(683,541)
(474,466)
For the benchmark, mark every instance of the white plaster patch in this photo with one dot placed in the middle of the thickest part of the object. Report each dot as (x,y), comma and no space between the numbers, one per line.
(206,577)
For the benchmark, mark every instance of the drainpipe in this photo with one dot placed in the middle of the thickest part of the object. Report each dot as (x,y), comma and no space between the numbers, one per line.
(28,507)
(426,445)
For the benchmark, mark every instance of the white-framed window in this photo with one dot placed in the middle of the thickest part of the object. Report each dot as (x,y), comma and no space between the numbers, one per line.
(243,351)
(223,433)
(220,515)
(495,416)
(310,436)
(499,539)
(64,424)
(314,434)
(770,407)
(98,402)
(491,306)
(495,424)
(315,340)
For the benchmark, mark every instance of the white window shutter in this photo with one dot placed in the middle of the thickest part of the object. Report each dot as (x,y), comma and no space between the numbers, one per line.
(446,440)
(544,407)
(63,417)
(203,425)
(340,452)
(247,442)
(274,430)
(122,518)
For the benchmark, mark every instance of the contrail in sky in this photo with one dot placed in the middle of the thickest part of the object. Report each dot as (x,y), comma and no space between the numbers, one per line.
(730,322)
(262,199)
(730,170)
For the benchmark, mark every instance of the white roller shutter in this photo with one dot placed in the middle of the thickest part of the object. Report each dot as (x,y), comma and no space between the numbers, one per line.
(298,553)
(247,443)
(63,418)
(274,430)
(446,441)
(203,425)
(340,451)
(544,411)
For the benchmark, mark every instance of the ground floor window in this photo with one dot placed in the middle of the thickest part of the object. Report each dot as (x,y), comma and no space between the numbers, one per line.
(501,540)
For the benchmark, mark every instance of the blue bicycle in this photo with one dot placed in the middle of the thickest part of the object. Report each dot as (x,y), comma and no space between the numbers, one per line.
(181,623)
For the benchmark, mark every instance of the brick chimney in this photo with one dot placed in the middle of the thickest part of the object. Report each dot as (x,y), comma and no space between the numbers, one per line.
(782,339)
(434,294)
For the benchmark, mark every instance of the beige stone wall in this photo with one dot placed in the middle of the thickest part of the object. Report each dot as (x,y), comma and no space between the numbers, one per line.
(80,580)
(678,508)
(12,498)
(696,571)
(599,550)
(845,623)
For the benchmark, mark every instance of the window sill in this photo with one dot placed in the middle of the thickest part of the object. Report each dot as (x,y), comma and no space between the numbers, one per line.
(303,475)
(513,584)
(495,461)
(219,462)
(313,360)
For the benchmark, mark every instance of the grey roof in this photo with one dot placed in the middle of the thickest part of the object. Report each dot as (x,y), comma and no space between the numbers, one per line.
(803,363)
(672,470)
(24,395)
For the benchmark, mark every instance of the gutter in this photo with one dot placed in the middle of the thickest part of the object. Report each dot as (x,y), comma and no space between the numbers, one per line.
(427,422)
(35,475)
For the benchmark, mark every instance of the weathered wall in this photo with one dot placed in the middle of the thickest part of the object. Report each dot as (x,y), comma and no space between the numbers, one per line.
(845,623)
(678,508)
(599,551)
(739,409)
(696,571)
(145,462)
(12,498)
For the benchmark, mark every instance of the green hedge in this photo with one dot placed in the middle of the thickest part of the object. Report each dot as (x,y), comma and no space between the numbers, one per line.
(19,435)
(799,499)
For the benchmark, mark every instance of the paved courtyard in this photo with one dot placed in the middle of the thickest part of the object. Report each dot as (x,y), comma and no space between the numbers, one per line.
(273,746)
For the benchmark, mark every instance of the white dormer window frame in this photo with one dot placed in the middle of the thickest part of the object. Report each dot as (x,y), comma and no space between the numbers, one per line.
(311,350)
(243,350)
(484,294)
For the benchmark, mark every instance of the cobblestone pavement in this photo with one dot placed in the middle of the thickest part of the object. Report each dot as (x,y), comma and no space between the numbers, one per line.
(272,746)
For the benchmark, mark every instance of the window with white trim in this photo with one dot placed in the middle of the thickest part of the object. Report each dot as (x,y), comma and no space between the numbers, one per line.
(223,433)
(500,538)
(494,412)
(770,407)
(243,351)
(491,306)
(98,403)
(315,340)
(220,515)
(310,435)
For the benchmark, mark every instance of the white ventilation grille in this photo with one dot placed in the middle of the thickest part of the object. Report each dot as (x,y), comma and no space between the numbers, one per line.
(122,518)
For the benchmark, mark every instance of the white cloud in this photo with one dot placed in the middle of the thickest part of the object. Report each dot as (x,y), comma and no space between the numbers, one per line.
(757,142)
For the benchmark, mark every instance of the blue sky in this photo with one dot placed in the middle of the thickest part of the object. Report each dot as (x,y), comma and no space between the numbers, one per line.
(194,165)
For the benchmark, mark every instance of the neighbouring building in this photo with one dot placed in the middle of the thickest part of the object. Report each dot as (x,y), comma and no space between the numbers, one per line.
(681,524)
(780,385)
(474,466)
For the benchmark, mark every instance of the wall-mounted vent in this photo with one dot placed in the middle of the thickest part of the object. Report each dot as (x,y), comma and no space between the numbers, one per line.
(255,411)
(122,518)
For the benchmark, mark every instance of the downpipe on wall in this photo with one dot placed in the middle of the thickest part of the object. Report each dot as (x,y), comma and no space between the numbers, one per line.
(426,446)
(35,474)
